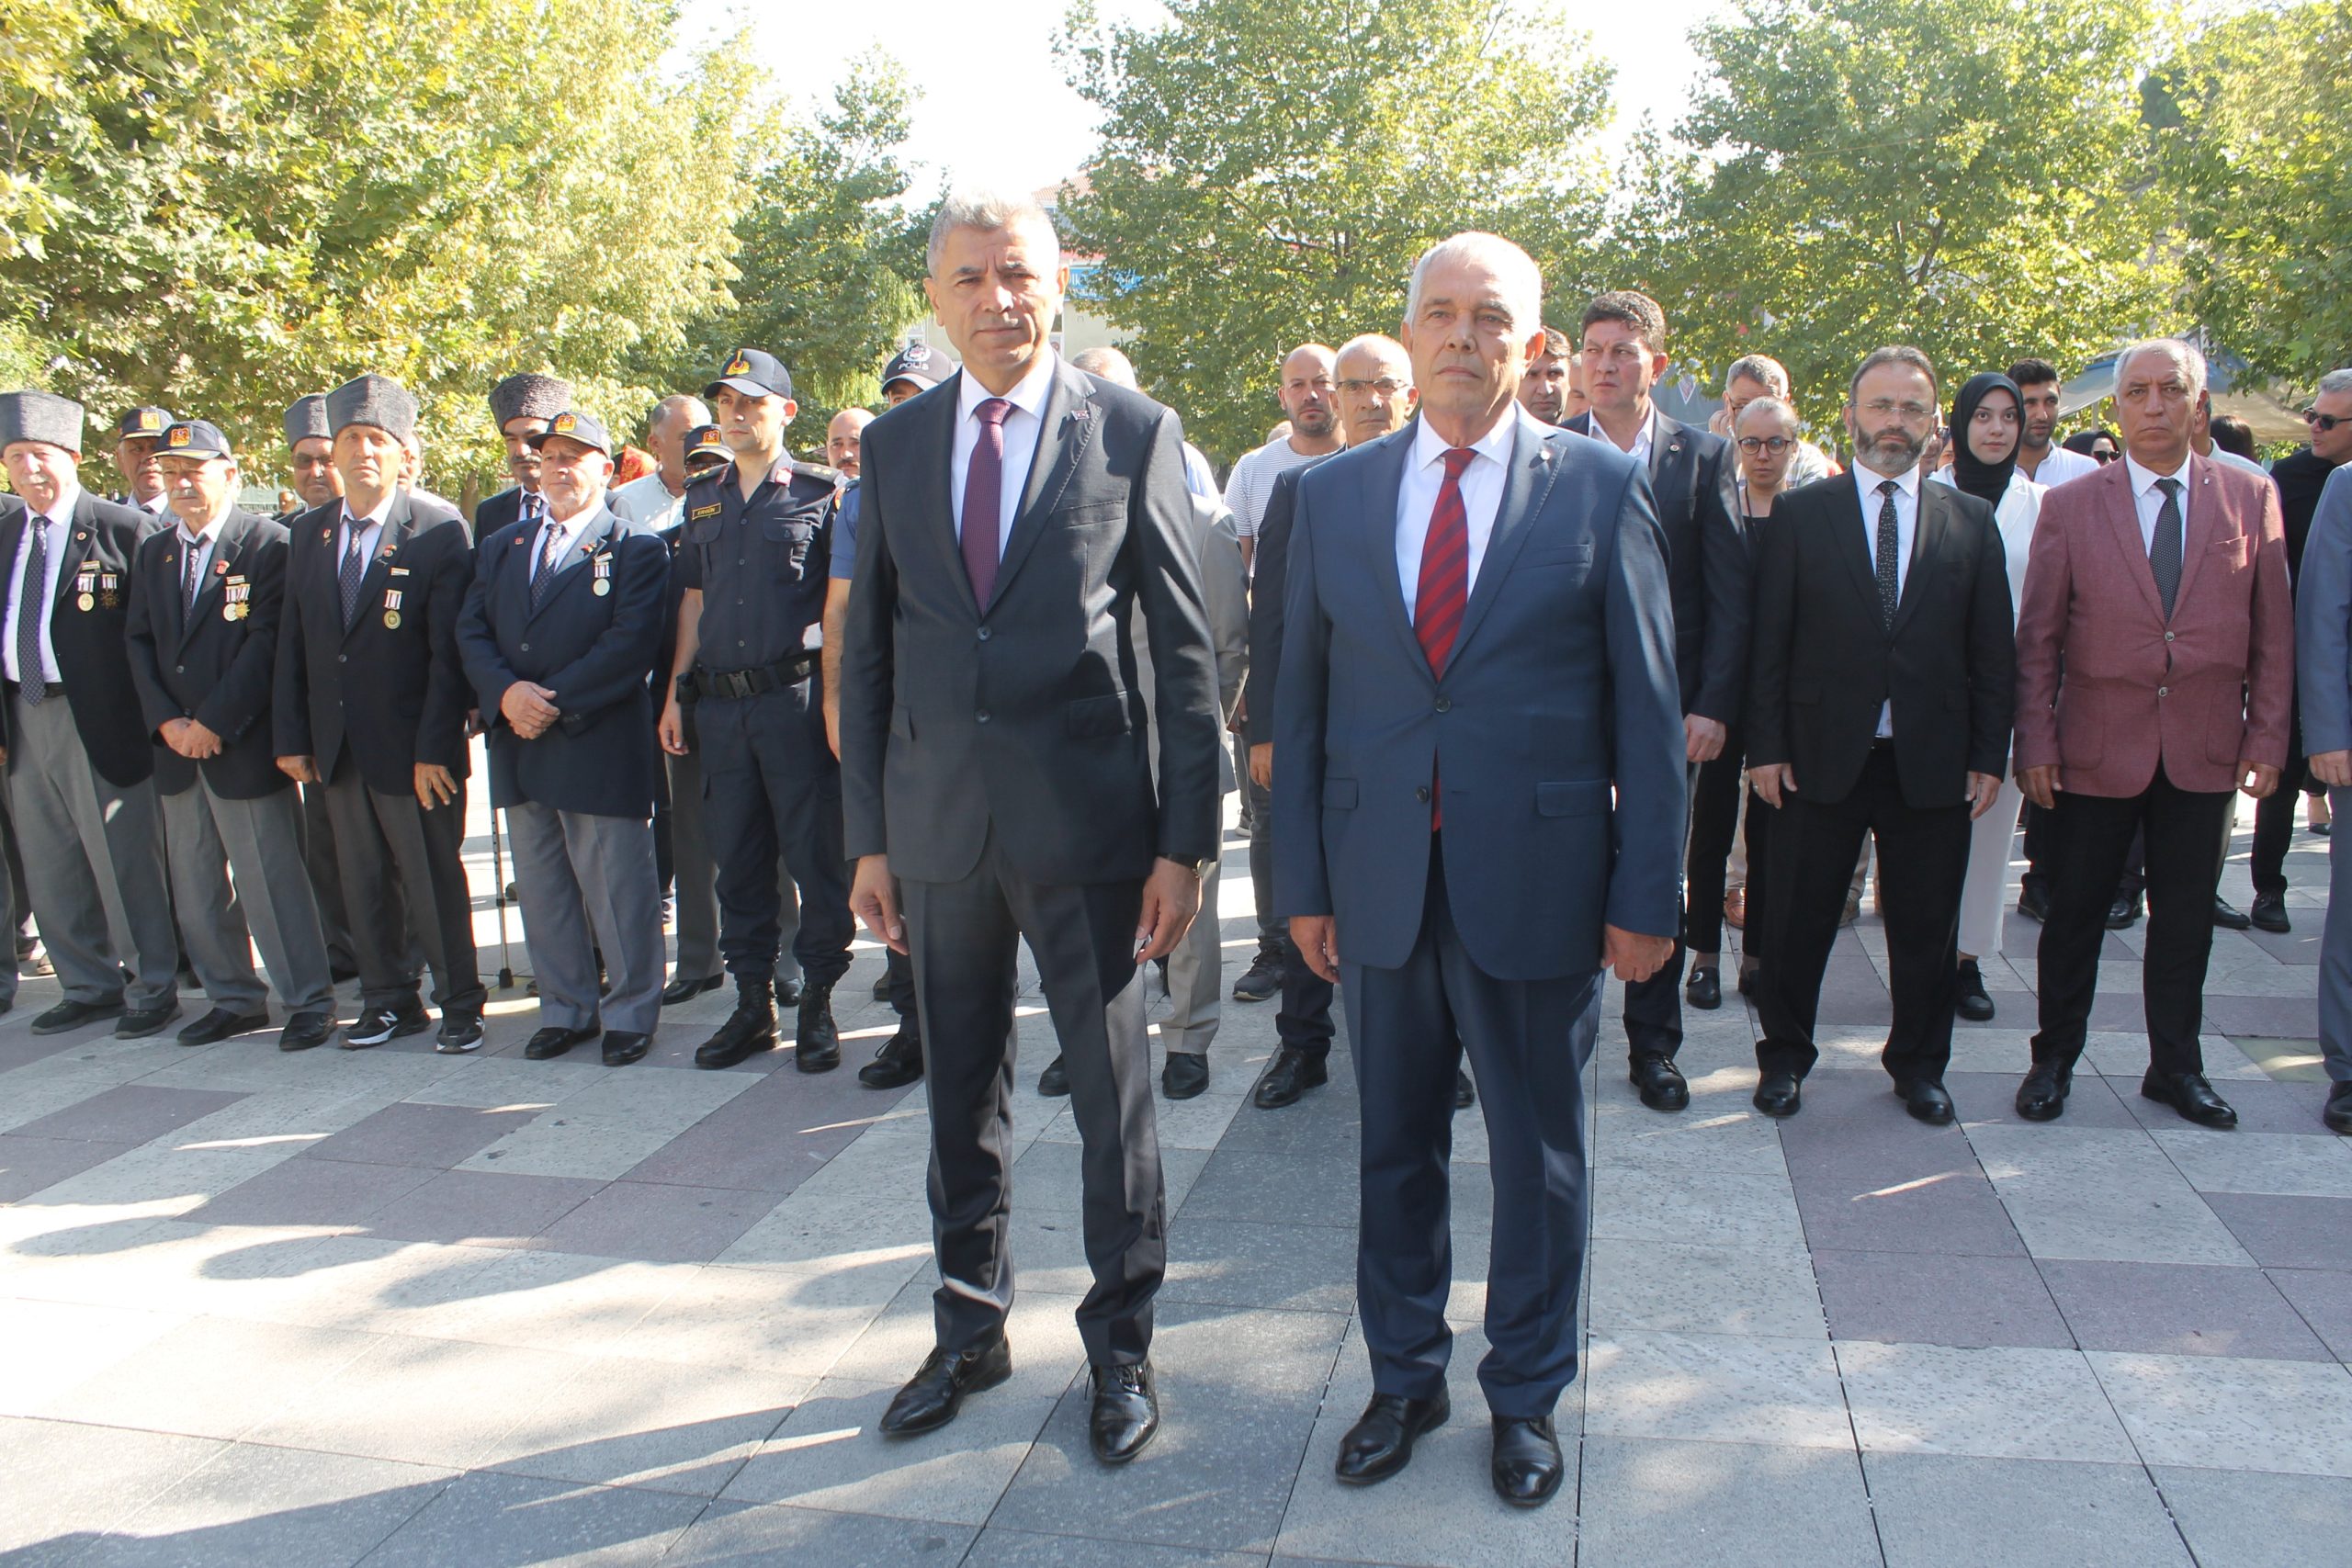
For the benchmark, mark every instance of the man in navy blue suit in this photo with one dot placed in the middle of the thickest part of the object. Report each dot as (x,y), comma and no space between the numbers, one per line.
(1479,807)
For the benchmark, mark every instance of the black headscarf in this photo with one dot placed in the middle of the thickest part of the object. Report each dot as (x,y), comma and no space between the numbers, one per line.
(1986,481)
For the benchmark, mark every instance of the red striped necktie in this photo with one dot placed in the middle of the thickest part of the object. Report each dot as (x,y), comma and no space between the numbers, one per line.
(1444,590)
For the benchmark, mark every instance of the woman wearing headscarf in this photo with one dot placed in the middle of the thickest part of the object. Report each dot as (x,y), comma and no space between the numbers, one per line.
(1987,418)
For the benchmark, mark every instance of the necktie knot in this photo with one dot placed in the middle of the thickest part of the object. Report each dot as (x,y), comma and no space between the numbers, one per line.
(1887,488)
(1456,460)
(2170,487)
(992,411)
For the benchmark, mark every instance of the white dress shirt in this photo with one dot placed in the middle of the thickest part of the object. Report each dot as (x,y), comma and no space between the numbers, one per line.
(2062,466)
(1644,438)
(646,501)
(372,528)
(61,529)
(2230,459)
(1021,428)
(1906,533)
(2147,501)
(1482,498)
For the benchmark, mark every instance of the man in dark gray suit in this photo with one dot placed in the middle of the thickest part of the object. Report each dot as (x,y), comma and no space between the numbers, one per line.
(997,783)
(1479,804)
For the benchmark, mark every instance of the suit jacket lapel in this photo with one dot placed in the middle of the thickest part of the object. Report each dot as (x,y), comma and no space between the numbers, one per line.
(1528,473)
(210,591)
(599,529)
(937,479)
(80,539)
(1667,441)
(2202,525)
(1926,546)
(1859,529)
(1068,426)
(2123,517)
(398,524)
(1381,478)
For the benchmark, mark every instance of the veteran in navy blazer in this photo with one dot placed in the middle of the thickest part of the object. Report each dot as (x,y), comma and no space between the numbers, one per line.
(560,630)
(206,598)
(372,699)
(1479,804)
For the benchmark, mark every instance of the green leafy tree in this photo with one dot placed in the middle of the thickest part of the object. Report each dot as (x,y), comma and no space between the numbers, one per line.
(1967,175)
(1268,173)
(2255,112)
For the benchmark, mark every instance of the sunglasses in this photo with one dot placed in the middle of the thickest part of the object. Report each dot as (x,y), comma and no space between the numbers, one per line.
(2325,423)
(2103,458)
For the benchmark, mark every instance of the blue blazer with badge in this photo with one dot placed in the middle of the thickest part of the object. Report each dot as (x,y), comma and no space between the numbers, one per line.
(86,627)
(1561,685)
(592,641)
(215,662)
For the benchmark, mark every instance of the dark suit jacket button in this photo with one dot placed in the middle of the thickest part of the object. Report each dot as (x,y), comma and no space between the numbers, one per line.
(1422,792)
(984,634)
(526,648)
(981,717)
(179,669)
(343,659)
(1445,705)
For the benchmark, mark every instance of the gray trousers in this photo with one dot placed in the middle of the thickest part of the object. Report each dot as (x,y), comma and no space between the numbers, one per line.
(698,878)
(2335,948)
(94,862)
(1196,979)
(326,878)
(209,838)
(587,885)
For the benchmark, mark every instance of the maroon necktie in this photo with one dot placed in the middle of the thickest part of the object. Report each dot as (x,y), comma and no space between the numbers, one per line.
(1444,590)
(984,499)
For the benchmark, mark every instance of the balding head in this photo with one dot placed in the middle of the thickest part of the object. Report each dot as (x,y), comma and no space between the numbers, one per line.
(1108,364)
(1308,372)
(1375,388)
(841,438)
(666,428)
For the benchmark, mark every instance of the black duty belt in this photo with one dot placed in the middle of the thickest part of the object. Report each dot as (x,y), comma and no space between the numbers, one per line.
(704,684)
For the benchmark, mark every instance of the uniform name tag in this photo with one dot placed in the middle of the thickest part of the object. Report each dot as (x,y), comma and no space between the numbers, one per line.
(697,513)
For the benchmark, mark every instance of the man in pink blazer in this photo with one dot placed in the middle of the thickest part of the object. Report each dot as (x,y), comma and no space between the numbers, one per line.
(2156,661)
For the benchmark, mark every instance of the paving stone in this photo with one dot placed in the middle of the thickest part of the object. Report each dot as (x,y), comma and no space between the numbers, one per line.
(771,1322)
(831,1454)
(2180,1308)
(1298,1267)
(75,1343)
(1651,1503)
(256,1504)
(68,1484)
(2000,1403)
(2095,1192)
(1961,1299)
(212,1378)
(2263,1106)
(434,1136)
(30,1164)
(2304,1165)
(2236,1518)
(436,1402)
(303,1191)
(2208,1411)
(495,1521)
(621,1422)
(1951,1210)
(1940,1511)
(1024,1549)
(130,1113)
(657,1222)
(1716,1388)
(2323,1298)
(1680,1288)
(778,1532)
(475,1208)
(2288,1232)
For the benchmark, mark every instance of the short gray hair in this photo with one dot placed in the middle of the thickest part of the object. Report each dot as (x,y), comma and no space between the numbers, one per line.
(2332,382)
(1777,407)
(1522,281)
(1894,354)
(1109,363)
(986,210)
(2182,352)
(1762,370)
(672,407)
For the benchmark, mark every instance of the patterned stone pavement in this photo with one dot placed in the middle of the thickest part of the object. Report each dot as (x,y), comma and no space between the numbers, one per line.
(398,1308)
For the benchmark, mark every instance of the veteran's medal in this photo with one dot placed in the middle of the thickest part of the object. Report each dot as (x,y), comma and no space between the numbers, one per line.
(392,609)
(602,566)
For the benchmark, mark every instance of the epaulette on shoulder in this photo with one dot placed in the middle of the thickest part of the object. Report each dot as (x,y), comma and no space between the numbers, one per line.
(711,475)
(816,471)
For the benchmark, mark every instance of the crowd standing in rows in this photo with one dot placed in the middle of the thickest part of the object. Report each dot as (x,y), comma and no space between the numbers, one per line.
(1523,680)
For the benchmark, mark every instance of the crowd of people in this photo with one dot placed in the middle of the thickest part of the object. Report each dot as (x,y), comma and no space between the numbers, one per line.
(1522,682)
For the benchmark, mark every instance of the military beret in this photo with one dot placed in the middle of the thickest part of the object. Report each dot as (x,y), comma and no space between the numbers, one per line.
(306,417)
(528,396)
(573,425)
(755,373)
(141,422)
(195,438)
(920,363)
(373,399)
(43,417)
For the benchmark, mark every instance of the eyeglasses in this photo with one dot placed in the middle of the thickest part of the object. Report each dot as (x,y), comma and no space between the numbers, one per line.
(1776,444)
(2324,422)
(2103,458)
(1912,412)
(1387,387)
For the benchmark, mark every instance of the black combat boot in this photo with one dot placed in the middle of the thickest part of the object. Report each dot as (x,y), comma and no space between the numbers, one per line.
(818,1046)
(749,1030)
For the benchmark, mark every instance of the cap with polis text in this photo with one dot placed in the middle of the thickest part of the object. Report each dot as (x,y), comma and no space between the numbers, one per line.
(573,425)
(141,422)
(920,363)
(705,445)
(44,417)
(195,438)
(306,418)
(753,372)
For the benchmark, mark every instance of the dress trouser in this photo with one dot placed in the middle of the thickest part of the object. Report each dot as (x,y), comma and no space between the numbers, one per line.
(94,862)
(588,883)
(209,838)
(1715,819)
(1258,819)
(2274,816)
(325,874)
(1196,978)
(15,904)
(963,936)
(1653,1007)
(771,786)
(1528,1042)
(2182,831)
(696,876)
(2335,949)
(1985,898)
(404,881)
(1923,862)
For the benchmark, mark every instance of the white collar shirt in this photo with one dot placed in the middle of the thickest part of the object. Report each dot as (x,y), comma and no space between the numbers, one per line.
(59,521)
(646,501)
(1482,498)
(2148,500)
(199,549)
(2059,465)
(1906,532)
(370,528)
(1022,426)
(1644,438)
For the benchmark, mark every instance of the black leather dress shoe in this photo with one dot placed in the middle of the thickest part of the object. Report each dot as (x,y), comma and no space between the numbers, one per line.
(1054,1082)
(2228,917)
(1125,1414)
(71,1014)
(219,1024)
(553,1042)
(306,1032)
(1290,1074)
(2124,913)
(1777,1094)
(2189,1094)
(1660,1080)
(2269,913)
(1381,1442)
(1704,989)
(137,1023)
(1927,1101)
(2042,1096)
(1974,1004)
(1527,1461)
(789,992)
(933,1396)
(623,1046)
(1464,1096)
(882,984)
(898,1062)
(685,990)
(2338,1116)
(1185,1075)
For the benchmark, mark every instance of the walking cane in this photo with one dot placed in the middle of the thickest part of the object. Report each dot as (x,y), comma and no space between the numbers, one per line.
(498,873)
